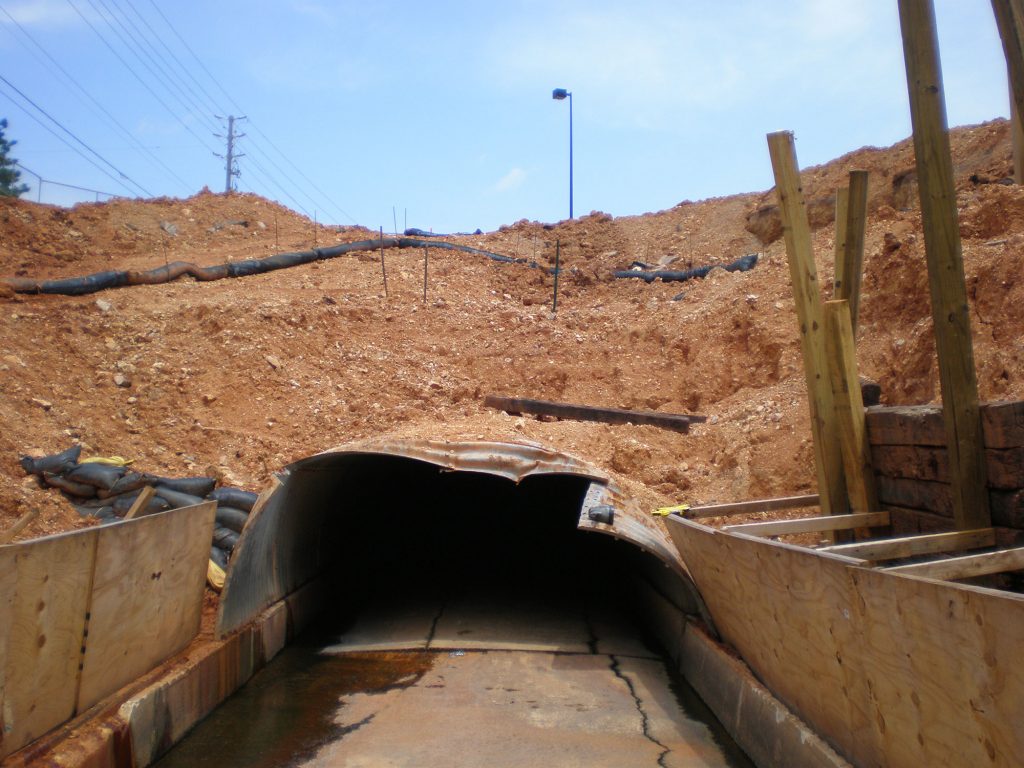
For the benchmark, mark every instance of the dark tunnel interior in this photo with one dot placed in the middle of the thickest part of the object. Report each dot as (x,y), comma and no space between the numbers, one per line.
(410,531)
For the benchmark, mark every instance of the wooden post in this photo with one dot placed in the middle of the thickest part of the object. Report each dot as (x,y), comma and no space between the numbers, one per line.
(21,524)
(827,454)
(140,502)
(945,265)
(383,266)
(848,284)
(842,358)
(1010,21)
(839,247)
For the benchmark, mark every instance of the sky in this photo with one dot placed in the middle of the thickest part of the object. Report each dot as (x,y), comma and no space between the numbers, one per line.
(439,115)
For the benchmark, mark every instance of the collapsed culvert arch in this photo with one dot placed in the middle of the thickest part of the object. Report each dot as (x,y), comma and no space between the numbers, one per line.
(367,521)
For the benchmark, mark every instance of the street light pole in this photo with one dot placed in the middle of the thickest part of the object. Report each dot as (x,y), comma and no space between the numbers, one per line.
(559,94)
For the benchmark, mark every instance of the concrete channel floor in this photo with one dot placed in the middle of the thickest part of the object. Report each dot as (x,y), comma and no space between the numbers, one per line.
(499,681)
(516,682)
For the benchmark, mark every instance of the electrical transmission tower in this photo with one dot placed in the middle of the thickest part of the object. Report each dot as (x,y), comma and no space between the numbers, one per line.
(231,158)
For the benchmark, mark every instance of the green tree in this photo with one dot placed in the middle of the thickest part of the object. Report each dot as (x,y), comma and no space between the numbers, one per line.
(9,174)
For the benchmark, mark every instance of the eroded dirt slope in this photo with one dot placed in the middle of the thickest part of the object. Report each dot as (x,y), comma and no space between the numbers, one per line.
(239,377)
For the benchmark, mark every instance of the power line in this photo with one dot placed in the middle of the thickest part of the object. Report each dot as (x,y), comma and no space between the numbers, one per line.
(138,77)
(56,122)
(75,149)
(96,105)
(251,123)
(147,61)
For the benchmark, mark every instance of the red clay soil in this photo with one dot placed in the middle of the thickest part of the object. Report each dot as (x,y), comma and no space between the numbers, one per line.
(239,377)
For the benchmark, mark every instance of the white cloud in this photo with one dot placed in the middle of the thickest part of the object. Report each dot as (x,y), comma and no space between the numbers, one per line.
(41,13)
(511,180)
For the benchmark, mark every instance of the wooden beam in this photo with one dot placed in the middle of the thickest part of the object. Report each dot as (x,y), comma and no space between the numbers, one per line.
(675,421)
(20,524)
(806,292)
(1010,22)
(812,524)
(945,264)
(839,244)
(912,546)
(140,502)
(842,359)
(965,567)
(751,507)
(853,245)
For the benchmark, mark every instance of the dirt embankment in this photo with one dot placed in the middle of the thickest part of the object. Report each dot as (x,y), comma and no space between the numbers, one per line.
(238,377)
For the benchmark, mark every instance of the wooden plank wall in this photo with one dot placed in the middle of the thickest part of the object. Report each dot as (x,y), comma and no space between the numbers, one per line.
(147,596)
(912,465)
(85,612)
(891,670)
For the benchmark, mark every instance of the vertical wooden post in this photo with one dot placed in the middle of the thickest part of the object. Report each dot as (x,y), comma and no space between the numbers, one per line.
(842,360)
(1010,21)
(383,266)
(827,453)
(945,266)
(1017,137)
(839,247)
(853,250)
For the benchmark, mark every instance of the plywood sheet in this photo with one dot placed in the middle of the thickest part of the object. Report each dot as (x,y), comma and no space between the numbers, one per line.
(44,588)
(892,670)
(147,596)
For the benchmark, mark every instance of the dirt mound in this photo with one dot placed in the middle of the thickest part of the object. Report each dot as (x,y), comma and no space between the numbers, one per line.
(238,377)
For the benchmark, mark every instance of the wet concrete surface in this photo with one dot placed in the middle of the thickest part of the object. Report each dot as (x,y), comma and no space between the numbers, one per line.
(478,679)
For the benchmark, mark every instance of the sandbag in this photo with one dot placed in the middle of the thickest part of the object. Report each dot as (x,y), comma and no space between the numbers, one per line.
(57,463)
(233,497)
(176,498)
(124,502)
(231,518)
(194,486)
(224,538)
(70,487)
(131,481)
(98,475)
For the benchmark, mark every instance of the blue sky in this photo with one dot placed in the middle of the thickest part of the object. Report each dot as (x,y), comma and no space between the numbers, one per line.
(444,110)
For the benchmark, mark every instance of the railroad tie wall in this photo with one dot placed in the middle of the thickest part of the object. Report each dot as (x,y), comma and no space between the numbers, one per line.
(911,466)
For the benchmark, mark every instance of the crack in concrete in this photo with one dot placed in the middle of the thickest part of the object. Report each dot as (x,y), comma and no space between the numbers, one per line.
(433,625)
(645,722)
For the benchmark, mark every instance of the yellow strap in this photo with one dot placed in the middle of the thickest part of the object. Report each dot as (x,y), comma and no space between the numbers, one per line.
(215,576)
(114,461)
(678,509)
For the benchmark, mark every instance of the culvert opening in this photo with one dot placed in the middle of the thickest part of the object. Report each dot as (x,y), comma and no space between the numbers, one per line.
(467,620)
(417,556)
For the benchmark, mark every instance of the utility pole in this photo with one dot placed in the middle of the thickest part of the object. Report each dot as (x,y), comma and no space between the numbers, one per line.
(231,159)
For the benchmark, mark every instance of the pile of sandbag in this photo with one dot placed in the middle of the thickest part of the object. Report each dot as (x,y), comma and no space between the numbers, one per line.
(106,488)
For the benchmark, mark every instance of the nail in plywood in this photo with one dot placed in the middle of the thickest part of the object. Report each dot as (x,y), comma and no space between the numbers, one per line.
(45,589)
(966,566)
(812,524)
(147,596)
(945,265)
(806,292)
(911,546)
(842,359)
